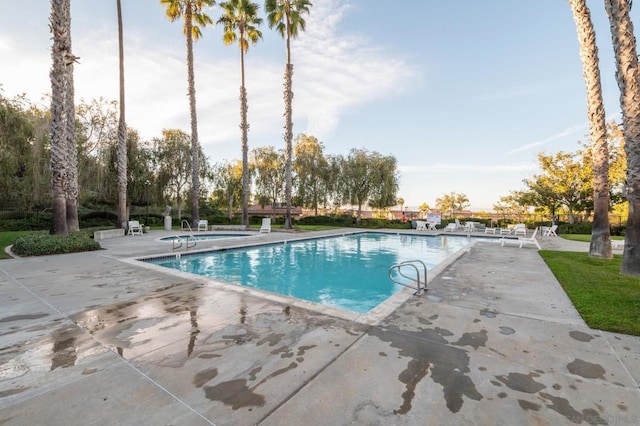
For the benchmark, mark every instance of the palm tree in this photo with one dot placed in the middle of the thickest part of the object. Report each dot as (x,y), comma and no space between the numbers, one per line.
(71,145)
(600,234)
(194,17)
(241,23)
(628,77)
(122,133)
(286,16)
(60,24)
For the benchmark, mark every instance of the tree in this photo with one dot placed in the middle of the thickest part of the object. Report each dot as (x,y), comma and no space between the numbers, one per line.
(452,202)
(122,131)
(424,208)
(268,165)
(241,23)
(173,154)
(286,17)
(564,180)
(513,204)
(600,245)
(228,184)
(312,172)
(628,78)
(60,25)
(367,177)
(194,17)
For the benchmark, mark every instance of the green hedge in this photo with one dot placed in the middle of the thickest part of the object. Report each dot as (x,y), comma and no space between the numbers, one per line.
(39,244)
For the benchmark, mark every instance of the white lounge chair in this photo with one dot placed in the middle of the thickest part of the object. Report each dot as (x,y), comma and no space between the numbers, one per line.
(521,241)
(203,225)
(450,227)
(134,228)
(520,229)
(617,244)
(266,225)
(549,231)
(421,225)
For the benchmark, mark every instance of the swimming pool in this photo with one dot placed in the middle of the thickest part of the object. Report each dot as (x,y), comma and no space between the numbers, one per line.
(202,237)
(347,272)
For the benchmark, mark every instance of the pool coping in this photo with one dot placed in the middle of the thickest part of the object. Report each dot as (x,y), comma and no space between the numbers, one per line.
(372,317)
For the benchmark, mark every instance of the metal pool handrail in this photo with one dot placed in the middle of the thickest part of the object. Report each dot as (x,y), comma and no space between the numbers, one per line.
(415,280)
(177,239)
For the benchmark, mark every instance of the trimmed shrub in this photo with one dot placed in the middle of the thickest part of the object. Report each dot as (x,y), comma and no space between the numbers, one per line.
(40,244)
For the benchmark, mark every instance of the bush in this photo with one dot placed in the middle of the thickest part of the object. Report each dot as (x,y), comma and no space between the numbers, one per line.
(575,228)
(39,244)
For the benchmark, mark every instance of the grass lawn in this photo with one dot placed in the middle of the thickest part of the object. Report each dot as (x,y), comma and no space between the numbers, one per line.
(7,238)
(586,237)
(606,299)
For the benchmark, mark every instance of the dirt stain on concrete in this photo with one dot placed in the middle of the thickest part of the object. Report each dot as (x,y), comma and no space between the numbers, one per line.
(430,352)
(204,376)
(507,331)
(580,336)
(488,314)
(521,382)
(529,406)
(475,339)
(586,369)
(22,317)
(563,407)
(234,393)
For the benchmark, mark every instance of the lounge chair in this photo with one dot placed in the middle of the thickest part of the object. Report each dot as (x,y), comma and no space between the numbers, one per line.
(432,226)
(521,241)
(203,225)
(450,227)
(421,225)
(266,225)
(520,229)
(134,228)
(549,231)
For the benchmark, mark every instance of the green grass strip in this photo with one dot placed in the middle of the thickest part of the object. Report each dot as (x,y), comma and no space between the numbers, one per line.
(605,299)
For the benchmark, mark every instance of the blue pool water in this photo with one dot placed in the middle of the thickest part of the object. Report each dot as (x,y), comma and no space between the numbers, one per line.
(348,272)
(203,237)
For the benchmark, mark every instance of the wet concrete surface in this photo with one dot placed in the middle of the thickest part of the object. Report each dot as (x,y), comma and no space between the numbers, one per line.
(94,338)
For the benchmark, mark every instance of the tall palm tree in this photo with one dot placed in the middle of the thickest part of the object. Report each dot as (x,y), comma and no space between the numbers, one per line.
(122,132)
(60,24)
(600,234)
(241,23)
(628,77)
(71,146)
(286,17)
(192,12)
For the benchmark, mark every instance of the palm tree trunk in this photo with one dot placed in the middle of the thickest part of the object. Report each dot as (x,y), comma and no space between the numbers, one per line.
(600,235)
(122,133)
(288,138)
(59,166)
(627,75)
(195,161)
(71,181)
(244,127)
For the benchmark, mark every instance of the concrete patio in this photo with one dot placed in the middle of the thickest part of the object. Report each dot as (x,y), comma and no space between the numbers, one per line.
(97,338)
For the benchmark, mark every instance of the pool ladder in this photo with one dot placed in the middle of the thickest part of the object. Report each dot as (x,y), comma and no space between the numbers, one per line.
(178,240)
(418,281)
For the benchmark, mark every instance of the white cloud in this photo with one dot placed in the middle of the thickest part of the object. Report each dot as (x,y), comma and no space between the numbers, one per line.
(566,132)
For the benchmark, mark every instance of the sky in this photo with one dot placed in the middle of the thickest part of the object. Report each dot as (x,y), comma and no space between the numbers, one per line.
(464,94)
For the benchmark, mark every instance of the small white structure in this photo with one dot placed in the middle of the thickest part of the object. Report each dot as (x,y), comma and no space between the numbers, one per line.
(266,225)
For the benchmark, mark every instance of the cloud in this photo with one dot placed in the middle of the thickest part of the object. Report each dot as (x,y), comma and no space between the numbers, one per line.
(338,70)
(566,132)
